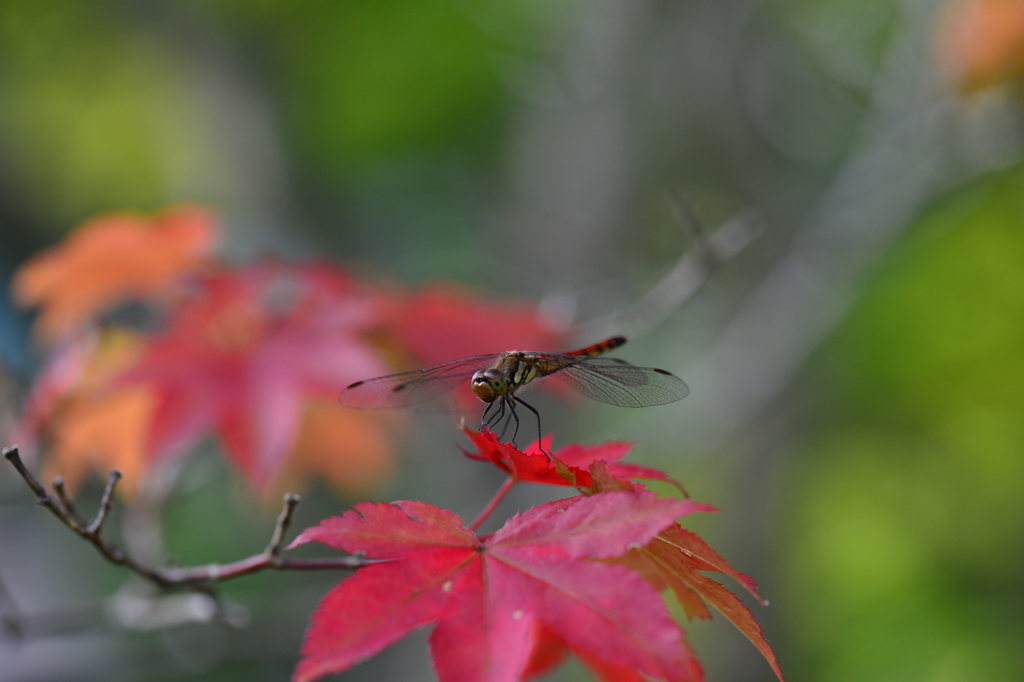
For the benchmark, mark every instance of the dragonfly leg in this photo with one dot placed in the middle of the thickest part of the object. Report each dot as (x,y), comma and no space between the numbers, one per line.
(504,426)
(540,435)
(483,417)
(495,418)
(512,411)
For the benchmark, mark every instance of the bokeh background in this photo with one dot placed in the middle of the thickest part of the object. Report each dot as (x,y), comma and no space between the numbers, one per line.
(857,370)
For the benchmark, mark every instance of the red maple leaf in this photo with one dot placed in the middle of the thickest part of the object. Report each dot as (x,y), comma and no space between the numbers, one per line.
(568,465)
(443,322)
(550,650)
(241,356)
(493,598)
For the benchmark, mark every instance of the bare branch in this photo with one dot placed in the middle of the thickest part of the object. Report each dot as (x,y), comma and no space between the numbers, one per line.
(199,578)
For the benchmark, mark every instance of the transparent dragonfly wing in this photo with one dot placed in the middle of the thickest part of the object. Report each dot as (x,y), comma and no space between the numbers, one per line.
(617,382)
(418,387)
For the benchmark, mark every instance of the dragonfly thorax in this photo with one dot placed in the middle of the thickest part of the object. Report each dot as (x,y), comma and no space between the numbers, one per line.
(489,384)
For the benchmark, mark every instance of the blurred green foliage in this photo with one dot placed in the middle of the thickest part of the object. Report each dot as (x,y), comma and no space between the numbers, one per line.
(84,99)
(91,90)
(396,76)
(907,521)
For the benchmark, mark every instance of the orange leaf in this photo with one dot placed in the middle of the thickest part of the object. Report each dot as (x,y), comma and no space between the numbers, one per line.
(981,42)
(699,555)
(111,258)
(661,576)
(86,425)
(675,556)
(352,450)
(99,434)
(729,605)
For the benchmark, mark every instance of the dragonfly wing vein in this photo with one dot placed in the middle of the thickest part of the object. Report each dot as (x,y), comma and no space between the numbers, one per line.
(624,385)
(413,388)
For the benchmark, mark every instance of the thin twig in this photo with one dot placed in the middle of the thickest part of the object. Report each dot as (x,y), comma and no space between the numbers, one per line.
(65,500)
(284,519)
(199,578)
(108,499)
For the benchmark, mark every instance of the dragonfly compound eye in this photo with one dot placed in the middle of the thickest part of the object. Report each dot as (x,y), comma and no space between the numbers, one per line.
(488,384)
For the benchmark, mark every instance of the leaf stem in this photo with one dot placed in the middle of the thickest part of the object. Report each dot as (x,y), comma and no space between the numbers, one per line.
(502,491)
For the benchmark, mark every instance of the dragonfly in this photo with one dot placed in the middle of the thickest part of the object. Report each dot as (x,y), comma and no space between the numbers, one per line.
(496,379)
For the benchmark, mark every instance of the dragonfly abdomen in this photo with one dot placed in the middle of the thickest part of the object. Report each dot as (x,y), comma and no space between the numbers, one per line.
(600,348)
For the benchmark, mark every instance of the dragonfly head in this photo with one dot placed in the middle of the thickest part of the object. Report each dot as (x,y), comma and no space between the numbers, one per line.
(489,385)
